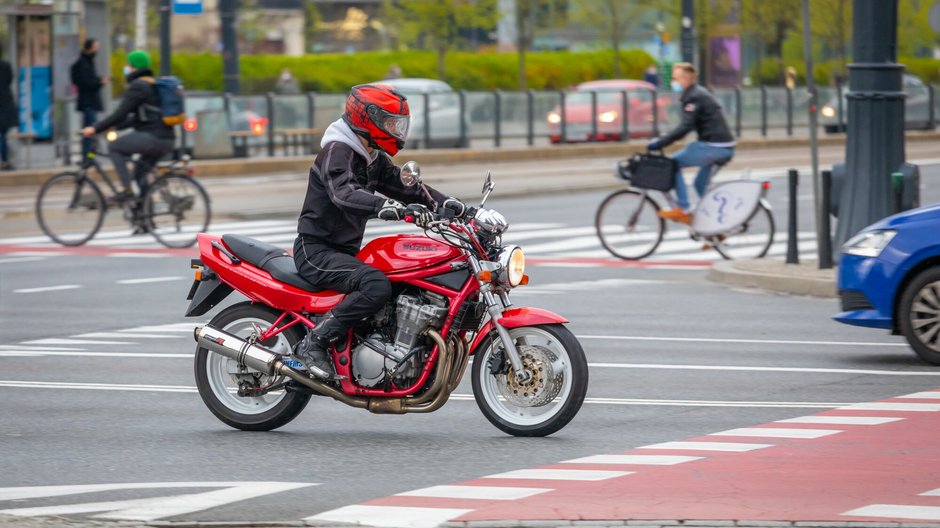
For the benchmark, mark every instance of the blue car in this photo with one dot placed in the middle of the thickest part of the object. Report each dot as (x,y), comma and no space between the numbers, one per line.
(889,277)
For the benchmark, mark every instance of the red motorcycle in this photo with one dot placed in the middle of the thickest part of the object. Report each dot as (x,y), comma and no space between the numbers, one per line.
(450,302)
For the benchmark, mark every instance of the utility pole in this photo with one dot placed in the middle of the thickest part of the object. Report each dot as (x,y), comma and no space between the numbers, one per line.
(165,53)
(688,28)
(228,11)
(140,25)
(875,135)
(824,250)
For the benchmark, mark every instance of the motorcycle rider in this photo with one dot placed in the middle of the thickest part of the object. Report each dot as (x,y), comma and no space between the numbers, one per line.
(702,113)
(354,162)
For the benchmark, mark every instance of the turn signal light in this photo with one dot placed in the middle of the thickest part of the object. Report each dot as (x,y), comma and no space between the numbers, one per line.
(524,281)
(766,185)
(199,275)
(485,276)
(190,125)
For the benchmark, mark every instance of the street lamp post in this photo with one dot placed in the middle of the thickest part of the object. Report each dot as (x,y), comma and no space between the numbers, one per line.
(875,135)
(688,37)
(228,11)
(165,11)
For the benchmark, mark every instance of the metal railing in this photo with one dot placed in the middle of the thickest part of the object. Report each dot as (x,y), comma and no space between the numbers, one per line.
(292,124)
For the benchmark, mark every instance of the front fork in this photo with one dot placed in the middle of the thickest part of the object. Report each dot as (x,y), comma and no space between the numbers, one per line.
(495,306)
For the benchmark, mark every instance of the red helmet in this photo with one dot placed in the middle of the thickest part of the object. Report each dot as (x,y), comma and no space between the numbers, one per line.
(379,114)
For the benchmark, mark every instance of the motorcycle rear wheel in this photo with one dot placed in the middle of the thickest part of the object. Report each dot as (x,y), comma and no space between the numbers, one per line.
(218,386)
(522,409)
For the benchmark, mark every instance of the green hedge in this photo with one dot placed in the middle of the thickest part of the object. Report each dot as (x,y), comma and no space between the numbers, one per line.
(337,72)
(926,68)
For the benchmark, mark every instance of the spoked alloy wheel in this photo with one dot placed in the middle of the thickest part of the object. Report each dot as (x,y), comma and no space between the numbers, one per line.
(176,209)
(546,402)
(919,315)
(751,241)
(628,225)
(217,377)
(70,208)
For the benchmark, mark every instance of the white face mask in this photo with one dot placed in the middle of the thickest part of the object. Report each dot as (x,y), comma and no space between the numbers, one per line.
(127,70)
(676,87)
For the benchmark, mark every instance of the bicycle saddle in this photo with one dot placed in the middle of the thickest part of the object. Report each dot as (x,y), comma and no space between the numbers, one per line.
(268,257)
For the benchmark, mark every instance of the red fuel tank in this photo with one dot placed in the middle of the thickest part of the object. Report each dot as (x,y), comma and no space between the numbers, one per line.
(398,253)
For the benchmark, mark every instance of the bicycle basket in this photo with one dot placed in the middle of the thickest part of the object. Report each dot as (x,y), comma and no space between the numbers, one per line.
(649,171)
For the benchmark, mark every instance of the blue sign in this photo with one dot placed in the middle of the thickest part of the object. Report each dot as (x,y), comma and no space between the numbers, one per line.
(187,7)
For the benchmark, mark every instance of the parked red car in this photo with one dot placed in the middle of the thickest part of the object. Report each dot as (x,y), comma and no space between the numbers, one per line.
(578,122)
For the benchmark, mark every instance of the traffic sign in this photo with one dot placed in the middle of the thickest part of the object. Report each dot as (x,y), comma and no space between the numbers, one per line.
(187,7)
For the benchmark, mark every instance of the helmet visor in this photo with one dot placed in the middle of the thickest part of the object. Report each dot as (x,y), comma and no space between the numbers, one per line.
(395,125)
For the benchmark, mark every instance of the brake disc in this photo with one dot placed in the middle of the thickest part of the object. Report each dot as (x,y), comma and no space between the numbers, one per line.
(544,384)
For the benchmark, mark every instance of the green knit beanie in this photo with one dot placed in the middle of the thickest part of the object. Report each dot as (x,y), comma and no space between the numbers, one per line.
(139,59)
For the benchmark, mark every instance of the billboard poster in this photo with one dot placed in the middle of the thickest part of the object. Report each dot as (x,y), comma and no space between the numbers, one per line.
(725,61)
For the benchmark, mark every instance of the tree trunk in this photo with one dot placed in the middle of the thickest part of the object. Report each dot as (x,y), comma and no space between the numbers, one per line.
(441,62)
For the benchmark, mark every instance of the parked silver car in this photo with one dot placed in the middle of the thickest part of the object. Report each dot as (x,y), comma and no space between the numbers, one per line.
(443,108)
(916,108)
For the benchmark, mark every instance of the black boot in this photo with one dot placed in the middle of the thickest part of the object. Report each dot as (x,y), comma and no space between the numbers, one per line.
(314,349)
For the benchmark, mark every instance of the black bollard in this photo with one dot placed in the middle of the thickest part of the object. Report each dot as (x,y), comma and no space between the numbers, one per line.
(793,253)
(825,245)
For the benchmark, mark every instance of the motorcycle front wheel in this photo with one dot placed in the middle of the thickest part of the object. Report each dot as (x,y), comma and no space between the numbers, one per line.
(218,377)
(549,399)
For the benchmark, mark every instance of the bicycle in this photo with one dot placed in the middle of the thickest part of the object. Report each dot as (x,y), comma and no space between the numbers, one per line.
(173,207)
(733,218)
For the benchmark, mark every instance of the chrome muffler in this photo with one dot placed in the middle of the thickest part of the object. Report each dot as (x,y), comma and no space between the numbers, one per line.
(234,347)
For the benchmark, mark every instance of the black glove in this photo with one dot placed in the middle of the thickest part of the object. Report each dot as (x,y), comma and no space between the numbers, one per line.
(392,210)
(455,206)
(655,144)
(420,214)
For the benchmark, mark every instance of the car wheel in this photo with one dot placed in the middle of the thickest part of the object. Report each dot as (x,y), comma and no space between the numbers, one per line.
(919,315)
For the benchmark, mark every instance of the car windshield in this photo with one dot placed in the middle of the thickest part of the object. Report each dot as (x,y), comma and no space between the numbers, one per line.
(605,95)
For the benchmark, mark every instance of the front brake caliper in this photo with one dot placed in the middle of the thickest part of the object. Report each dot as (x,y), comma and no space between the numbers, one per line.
(497,363)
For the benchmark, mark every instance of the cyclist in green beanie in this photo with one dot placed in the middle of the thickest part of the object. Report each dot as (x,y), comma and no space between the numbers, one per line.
(140,110)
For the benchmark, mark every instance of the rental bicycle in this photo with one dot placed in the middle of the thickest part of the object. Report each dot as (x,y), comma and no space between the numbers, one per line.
(172,205)
(733,218)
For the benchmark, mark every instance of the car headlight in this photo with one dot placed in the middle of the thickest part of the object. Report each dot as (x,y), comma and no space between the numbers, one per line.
(512,262)
(607,117)
(869,243)
(828,111)
(554,118)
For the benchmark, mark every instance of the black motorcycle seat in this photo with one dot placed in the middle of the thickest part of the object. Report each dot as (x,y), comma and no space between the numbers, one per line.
(268,257)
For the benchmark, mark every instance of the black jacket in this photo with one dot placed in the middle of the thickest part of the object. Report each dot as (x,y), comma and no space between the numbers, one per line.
(139,109)
(341,196)
(9,116)
(85,78)
(701,113)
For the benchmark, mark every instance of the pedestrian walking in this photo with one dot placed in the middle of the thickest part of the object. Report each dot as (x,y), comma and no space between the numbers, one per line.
(88,83)
(287,83)
(8,113)
(651,75)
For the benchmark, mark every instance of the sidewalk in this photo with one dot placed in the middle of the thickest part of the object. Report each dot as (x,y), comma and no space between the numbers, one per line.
(804,278)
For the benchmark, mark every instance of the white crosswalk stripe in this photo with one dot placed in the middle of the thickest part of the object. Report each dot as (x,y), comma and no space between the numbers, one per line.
(547,240)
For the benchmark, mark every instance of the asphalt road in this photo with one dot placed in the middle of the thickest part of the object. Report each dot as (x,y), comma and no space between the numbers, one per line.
(96,380)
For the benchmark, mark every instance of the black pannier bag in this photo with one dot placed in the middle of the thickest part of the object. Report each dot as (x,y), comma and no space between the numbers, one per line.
(649,171)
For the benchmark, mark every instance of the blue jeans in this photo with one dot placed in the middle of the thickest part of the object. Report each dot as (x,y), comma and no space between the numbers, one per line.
(89,117)
(697,154)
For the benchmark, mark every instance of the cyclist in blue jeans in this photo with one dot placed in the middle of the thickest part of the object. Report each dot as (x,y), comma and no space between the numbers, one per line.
(702,113)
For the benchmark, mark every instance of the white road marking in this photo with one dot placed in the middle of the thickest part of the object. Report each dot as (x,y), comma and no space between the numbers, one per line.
(36,254)
(63,341)
(732,340)
(931,493)
(650,460)
(707,446)
(601,284)
(475,492)
(765,369)
(136,255)
(841,420)
(126,335)
(390,516)
(49,288)
(777,432)
(151,508)
(891,406)
(560,474)
(14,260)
(176,327)
(897,511)
(95,386)
(929,395)
(151,279)
(29,347)
(118,355)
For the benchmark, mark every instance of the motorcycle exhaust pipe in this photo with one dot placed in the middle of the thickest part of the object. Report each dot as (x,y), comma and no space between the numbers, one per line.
(234,347)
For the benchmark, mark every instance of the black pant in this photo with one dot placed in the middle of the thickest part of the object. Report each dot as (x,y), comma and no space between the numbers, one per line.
(89,118)
(151,149)
(367,288)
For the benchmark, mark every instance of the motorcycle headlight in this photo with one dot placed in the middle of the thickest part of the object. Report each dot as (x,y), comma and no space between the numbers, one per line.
(512,262)
(869,243)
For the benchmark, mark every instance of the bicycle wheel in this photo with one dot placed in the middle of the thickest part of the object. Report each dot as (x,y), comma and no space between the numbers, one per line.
(752,240)
(175,210)
(628,224)
(70,208)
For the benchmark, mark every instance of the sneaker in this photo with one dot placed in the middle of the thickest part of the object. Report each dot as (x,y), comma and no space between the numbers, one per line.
(676,215)
(6,166)
(122,196)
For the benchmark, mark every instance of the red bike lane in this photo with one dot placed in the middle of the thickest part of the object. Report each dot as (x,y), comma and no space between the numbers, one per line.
(873,462)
